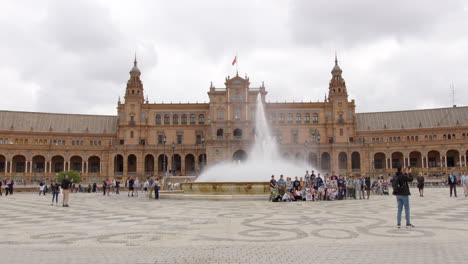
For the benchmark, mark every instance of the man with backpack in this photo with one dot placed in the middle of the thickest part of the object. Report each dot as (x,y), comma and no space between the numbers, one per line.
(401,191)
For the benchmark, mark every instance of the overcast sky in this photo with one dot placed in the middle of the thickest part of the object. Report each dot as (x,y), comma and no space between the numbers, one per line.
(74,56)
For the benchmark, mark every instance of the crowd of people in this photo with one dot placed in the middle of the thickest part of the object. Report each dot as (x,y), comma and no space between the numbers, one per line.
(8,186)
(313,187)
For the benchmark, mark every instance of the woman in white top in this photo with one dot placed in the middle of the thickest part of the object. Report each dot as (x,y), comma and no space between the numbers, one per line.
(136,185)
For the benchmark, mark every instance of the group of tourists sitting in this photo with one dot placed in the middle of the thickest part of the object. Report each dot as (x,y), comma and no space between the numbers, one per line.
(313,187)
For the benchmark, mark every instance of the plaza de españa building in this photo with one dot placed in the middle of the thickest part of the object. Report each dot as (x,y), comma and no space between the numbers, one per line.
(181,139)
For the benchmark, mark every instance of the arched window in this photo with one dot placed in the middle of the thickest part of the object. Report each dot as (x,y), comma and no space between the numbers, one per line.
(201,119)
(184,119)
(175,119)
(281,118)
(192,119)
(290,118)
(298,118)
(237,133)
(315,118)
(167,120)
(307,118)
(273,118)
(219,133)
(158,119)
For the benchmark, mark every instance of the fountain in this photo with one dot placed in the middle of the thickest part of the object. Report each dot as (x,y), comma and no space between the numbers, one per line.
(251,176)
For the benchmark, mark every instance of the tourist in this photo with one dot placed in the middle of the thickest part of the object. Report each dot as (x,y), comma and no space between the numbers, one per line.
(55,189)
(156,186)
(1,183)
(368,186)
(104,187)
(401,191)
(301,183)
(281,185)
(286,197)
(117,186)
(318,181)
(333,177)
(360,187)
(11,184)
(352,188)
(131,182)
(89,188)
(341,186)
(146,186)
(297,195)
(420,180)
(289,184)
(273,184)
(109,186)
(136,185)
(66,184)
(41,188)
(296,184)
(452,182)
(326,186)
(307,175)
(95,187)
(464,183)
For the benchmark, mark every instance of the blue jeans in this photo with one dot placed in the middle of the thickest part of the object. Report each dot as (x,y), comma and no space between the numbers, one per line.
(403,200)
(55,195)
(156,192)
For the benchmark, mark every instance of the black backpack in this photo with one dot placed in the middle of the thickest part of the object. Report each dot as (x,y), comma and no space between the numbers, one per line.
(397,185)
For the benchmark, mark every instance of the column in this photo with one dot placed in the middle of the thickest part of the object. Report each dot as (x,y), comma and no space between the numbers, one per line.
(182,165)
(64,166)
(100,166)
(423,165)
(460,158)
(404,162)
(386,163)
(465,160)
(82,166)
(87,167)
(441,161)
(50,166)
(6,166)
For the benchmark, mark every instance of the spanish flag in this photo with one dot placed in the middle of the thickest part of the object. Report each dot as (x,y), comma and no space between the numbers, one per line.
(234,61)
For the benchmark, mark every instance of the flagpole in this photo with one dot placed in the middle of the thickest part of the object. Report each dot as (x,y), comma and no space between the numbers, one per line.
(237,63)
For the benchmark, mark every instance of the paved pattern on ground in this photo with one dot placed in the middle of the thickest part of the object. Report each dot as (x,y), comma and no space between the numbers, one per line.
(121,229)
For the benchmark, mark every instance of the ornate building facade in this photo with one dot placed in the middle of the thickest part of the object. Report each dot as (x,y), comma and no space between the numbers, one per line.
(146,139)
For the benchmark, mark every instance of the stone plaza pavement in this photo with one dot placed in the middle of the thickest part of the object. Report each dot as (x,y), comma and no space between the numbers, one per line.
(119,229)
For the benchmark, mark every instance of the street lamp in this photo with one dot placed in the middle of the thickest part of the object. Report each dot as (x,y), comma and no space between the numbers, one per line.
(172,159)
(164,156)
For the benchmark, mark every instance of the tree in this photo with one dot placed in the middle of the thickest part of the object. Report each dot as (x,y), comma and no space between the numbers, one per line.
(74,176)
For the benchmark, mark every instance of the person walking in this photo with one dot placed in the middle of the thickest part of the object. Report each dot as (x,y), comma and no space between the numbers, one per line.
(401,191)
(117,187)
(452,181)
(156,186)
(55,189)
(66,184)
(41,188)
(464,183)
(104,187)
(420,180)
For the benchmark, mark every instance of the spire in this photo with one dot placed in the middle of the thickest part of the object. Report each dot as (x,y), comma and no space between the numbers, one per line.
(135,61)
(135,70)
(336,59)
(337,85)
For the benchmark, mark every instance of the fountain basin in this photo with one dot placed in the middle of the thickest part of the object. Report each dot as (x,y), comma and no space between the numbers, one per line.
(226,188)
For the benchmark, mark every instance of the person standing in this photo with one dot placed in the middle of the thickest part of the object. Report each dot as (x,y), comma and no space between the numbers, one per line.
(156,186)
(401,191)
(117,187)
(464,182)
(66,184)
(1,183)
(273,183)
(55,189)
(368,186)
(41,188)
(452,181)
(104,187)
(281,185)
(360,188)
(420,181)
(131,181)
(10,186)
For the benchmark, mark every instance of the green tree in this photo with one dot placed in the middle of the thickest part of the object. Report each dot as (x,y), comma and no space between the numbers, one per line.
(74,176)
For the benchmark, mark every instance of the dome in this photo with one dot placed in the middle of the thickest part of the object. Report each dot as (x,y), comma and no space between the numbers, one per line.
(135,69)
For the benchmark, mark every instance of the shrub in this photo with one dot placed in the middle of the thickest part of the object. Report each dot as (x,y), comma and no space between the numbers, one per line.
(74,176)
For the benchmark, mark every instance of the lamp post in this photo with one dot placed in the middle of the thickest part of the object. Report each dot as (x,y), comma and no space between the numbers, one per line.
(319,158)
(172,159)
(164,155)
